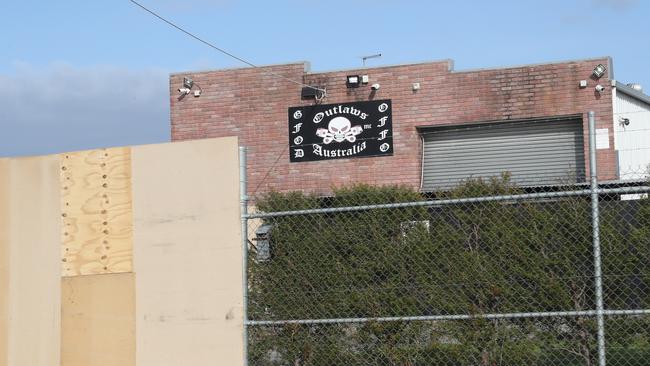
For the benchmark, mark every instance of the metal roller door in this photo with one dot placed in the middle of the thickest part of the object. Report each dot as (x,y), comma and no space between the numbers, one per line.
(540,152)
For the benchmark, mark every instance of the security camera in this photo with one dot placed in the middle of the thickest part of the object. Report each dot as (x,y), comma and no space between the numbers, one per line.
(624,121)
(600,88)
(375,86)
(184,90)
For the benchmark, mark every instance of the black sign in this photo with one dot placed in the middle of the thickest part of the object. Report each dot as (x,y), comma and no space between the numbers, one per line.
(339,131)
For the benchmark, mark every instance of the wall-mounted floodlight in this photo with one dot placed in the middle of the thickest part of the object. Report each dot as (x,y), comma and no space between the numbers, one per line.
(599,70)
(188,83)
(352,81)
(313,92)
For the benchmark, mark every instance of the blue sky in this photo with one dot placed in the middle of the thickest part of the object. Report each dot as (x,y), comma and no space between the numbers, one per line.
(85,74)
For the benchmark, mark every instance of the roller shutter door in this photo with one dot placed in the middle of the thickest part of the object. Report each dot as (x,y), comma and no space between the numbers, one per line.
(541,152)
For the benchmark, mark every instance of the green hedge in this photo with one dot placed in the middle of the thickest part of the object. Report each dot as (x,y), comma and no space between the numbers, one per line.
(493,257)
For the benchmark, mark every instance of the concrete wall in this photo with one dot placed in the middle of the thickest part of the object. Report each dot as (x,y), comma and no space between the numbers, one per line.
(252,104)
(128,256)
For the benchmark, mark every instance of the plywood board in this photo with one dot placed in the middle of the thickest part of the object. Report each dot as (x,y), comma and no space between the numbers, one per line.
(187,253)
(34,264)
(97,221)
(4,260)
(98,320)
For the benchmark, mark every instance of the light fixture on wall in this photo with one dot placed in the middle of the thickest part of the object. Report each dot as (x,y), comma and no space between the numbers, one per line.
(188,84)
(353,81)
(263,246)
(599,71)
(313,92)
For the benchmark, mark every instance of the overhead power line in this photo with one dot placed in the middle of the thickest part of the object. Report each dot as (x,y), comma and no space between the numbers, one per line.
(221,49)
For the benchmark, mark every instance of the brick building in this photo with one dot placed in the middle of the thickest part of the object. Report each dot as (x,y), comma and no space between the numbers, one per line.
(442,121)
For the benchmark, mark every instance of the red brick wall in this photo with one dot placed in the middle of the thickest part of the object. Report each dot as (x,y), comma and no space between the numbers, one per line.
(252,104)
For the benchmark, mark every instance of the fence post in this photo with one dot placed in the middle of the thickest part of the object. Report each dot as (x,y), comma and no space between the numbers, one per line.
(595,220)
(243,199)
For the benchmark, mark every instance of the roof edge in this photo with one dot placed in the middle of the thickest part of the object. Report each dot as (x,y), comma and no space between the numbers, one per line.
(620,87)
(537,64)
(450,66)
(306,65)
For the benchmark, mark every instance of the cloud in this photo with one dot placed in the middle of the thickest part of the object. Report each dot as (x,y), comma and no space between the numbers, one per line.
(64,108)
(620,5)
(600,8)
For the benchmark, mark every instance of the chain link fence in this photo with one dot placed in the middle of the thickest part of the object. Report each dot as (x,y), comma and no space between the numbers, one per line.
(485,273)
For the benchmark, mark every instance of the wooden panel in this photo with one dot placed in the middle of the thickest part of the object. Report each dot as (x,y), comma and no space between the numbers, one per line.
(4,260)
(187,253)
(98,320)
(34,262)
(96,212)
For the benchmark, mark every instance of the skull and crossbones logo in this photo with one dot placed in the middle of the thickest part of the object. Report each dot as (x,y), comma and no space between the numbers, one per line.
(339,129)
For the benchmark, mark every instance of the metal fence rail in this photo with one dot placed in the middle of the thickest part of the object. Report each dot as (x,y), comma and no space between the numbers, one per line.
(455,201)
(485,274)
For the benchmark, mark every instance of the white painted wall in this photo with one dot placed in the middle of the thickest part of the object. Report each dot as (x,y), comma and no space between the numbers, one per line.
(632,141)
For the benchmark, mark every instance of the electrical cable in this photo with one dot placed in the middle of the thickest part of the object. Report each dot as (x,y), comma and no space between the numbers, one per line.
(322,91)
(320,95)
(284,150)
